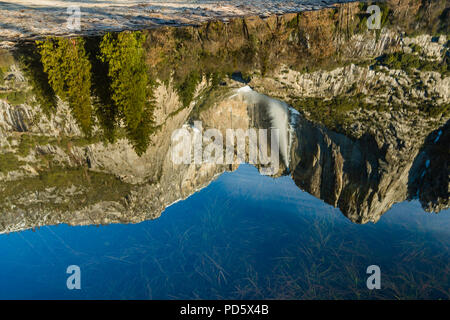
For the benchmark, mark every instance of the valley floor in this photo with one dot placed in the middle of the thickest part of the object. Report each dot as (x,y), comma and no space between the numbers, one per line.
(24,19)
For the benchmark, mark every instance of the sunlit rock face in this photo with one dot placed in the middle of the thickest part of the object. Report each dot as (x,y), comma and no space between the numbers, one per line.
(363,177)
(383,141)
(116,185)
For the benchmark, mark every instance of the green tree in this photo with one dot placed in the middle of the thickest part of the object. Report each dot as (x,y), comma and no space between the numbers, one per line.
(31,64)
(69,74)
(186,89)
(106,110)
(130,90)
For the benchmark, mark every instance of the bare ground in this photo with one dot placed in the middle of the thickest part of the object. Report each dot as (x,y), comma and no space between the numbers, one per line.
(30,19)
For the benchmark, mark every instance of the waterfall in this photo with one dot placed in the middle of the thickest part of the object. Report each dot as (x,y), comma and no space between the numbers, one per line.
(278,112)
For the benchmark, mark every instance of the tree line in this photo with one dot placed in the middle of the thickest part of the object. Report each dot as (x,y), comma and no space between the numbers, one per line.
(104,79)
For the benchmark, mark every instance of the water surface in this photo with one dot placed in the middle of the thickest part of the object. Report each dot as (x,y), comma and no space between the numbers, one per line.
(245,236)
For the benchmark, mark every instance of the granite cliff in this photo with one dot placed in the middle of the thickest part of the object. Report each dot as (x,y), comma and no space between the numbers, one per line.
(367,130)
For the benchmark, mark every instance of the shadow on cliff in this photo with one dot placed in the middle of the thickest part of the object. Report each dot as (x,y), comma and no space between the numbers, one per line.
(342,172)
(429,175)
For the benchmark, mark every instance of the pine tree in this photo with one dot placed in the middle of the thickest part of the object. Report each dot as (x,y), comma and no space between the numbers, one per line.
(69,74)
(130,90)
(31,64)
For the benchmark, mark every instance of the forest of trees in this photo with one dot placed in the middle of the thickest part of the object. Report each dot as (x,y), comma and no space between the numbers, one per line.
(103,79)
(69,74)
(131,96)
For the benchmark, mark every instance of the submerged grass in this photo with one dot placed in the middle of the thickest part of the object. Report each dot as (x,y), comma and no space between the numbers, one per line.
(227,251)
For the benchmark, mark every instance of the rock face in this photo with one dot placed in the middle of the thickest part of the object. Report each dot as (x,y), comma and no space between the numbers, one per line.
(51,174)
(364,178)
(429,176)
(141,188)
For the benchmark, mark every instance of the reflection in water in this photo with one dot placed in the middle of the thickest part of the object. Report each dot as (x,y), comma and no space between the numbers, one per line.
(85,137)
(122,95)
(275,114)
(69,74)
(231,240)
(429,176)
(362,177)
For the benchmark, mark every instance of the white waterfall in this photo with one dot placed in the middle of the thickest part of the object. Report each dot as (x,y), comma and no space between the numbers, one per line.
(278,112)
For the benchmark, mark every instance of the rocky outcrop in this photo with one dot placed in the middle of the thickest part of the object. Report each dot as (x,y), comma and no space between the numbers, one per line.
(51,174)
(103,184)
(364,178)
(430,175)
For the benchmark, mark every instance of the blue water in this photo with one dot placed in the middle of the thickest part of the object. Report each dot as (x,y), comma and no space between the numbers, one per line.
(245,236)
